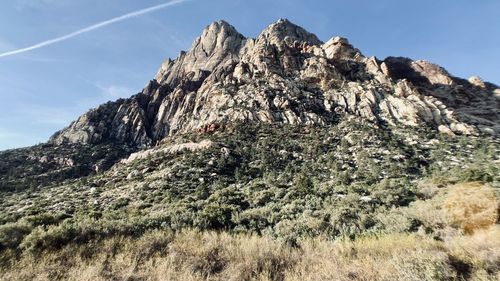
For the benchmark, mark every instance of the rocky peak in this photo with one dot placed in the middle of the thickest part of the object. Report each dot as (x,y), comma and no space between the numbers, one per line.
(287,76)
(219,44)
(284,30)
(216,38)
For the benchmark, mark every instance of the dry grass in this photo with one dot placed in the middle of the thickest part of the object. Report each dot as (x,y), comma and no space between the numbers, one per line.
(161,255)
(389,257)
(473,206)
(193,255)
(480,251)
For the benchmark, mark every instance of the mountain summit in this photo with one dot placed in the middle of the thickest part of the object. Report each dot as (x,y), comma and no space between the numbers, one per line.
(287,75)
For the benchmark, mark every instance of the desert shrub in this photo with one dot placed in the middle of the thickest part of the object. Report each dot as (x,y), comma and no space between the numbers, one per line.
(289,183)
(472,206)
(427,189)
(11,234)
(82,230)
(302,184)
(18,174)
(394,192)
(349,217)
(253,220)
(396,220)
(479,173)
(119,203)
(46,219)
(214,216)
(51,238)
(291,232)
(428,215)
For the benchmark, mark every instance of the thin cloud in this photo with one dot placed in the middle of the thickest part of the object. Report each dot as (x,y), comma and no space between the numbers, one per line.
(177,41)
(111,91)
(116,91)
(93,27)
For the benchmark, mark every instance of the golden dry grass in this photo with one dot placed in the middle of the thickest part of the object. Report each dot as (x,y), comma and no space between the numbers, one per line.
(473,206)
(193,255)
(480,250)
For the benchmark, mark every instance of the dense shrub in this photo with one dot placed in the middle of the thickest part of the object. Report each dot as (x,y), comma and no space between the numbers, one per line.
(11,234)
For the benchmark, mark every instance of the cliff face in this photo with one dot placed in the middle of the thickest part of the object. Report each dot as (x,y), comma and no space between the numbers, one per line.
(287,75)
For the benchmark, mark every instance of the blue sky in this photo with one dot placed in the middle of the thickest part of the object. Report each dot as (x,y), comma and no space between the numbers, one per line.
(43,90)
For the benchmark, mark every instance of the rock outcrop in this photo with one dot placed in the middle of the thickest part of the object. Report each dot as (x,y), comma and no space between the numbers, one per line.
(287,75)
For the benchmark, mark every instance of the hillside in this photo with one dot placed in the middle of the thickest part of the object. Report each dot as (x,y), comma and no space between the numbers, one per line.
(283,141)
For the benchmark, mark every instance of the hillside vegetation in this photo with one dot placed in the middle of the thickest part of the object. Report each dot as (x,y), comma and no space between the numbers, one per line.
(455,252)
(266,202)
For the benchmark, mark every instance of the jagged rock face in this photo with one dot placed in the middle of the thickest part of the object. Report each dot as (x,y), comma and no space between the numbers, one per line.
(287,75)
(218,46)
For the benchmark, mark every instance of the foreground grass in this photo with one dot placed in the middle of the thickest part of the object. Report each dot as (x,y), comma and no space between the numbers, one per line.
(195,255)
(458,238)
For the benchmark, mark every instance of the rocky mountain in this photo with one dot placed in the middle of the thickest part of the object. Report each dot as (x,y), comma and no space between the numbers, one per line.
(287,76)
(274,158)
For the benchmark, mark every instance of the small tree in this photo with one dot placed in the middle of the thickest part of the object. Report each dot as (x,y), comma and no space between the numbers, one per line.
(302,184)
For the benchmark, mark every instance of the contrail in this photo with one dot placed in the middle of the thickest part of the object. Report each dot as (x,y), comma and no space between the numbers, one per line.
(93,27)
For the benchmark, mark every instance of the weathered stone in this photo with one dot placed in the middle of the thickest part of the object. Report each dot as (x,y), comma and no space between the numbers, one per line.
(286,75)
(339,48)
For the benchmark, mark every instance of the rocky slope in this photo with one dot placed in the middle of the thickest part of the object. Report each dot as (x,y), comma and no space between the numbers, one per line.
(288,76)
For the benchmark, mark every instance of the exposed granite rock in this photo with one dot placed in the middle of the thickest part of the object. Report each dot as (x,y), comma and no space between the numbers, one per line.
(218,45)
(339,48)
(287,75)
(283,32)
(58,161)
(191,146)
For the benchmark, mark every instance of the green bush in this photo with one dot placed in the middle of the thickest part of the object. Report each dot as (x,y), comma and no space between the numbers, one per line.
(11,234)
